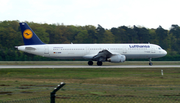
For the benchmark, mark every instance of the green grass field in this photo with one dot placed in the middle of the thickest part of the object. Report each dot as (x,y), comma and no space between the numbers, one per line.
(85,63)
(92,84)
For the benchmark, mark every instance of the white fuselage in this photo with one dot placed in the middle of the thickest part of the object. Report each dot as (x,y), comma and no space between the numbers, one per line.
(88,51)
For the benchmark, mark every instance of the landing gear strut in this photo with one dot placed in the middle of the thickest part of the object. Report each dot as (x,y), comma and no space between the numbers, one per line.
(150,63)
(99,63)
(90,62)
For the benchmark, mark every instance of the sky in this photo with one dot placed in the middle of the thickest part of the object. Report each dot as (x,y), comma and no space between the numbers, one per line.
(107,13)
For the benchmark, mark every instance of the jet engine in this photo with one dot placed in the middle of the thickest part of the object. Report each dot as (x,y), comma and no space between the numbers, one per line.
(117,58)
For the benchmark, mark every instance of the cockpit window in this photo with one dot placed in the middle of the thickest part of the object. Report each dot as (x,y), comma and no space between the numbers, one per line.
(159,48)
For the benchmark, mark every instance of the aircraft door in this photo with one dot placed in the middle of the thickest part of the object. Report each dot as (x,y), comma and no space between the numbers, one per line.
(153,50)
(46,50)
(87,50)
(124,50)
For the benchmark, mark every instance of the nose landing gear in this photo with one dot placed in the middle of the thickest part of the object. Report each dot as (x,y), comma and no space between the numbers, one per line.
(150,63)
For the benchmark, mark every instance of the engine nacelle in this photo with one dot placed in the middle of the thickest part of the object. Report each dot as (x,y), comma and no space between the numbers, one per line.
(117,58)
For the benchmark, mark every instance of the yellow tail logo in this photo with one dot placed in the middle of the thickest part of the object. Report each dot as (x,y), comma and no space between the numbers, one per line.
(27,34)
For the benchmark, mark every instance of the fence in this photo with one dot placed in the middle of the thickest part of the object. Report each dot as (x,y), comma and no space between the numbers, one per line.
(99,99)
(97,93)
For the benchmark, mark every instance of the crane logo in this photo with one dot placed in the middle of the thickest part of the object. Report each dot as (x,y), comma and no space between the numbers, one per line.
(27,34)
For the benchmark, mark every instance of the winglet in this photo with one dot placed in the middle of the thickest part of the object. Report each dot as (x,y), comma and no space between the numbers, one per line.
(29,37)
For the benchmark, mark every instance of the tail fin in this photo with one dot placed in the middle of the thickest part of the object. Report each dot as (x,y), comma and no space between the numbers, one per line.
(29,37)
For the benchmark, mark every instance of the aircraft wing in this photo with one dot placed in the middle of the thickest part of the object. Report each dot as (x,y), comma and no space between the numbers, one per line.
(102,56)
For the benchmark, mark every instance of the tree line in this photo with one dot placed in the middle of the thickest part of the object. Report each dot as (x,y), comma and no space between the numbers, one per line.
(10,36)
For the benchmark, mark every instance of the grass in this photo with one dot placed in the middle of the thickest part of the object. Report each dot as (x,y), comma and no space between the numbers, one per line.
(87,84)
(85,63)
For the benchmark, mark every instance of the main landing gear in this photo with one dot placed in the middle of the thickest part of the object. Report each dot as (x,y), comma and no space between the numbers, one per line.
(99,63)
(150,63)
(90,62)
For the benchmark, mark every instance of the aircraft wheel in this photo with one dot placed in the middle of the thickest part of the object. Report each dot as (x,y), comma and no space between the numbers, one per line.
(99,63)
(90,62)
(150,64)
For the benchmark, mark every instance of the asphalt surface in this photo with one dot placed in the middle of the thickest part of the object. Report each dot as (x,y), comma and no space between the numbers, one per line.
(84,66)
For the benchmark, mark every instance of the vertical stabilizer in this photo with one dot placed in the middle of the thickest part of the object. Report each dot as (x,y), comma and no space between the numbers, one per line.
(29,37)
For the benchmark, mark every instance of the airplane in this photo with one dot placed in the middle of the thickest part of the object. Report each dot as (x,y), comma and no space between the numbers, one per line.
(114,53)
